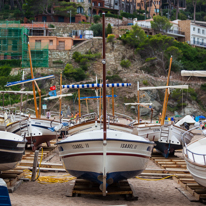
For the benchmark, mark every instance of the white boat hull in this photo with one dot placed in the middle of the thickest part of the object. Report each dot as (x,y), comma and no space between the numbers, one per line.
(125,158)
(198,172)
(195,157)
(150,132)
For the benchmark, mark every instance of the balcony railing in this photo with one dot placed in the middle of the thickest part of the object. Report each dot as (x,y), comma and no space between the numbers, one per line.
(176,32)
(198,43)
(171,31)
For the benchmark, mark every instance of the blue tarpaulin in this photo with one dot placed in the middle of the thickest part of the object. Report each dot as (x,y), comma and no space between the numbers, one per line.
(202,117)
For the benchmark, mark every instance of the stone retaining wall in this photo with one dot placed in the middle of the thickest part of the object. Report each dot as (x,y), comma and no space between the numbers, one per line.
(64,29)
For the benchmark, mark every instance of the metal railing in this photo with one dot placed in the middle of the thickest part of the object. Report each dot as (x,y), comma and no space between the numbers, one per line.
(30,110)
(176,32)
(198,43)
(87,117)
(188,152)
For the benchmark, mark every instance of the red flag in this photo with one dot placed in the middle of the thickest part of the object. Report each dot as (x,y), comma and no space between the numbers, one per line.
(53,88)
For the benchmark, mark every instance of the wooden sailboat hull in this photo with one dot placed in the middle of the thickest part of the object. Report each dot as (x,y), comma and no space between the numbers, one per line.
(12,148)
(195,157)
(127,155)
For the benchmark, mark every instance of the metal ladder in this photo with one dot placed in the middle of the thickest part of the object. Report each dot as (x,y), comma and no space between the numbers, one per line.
(164,135)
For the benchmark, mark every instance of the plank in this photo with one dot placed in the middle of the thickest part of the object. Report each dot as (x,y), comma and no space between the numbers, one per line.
(187,194)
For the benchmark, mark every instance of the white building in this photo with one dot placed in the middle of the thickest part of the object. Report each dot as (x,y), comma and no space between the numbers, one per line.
(198,34)
(175,30)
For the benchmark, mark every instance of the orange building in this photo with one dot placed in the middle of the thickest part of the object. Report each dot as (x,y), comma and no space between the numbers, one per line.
(53,42)
(153,6)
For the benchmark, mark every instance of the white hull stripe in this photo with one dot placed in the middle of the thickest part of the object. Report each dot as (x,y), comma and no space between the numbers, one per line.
(11,151)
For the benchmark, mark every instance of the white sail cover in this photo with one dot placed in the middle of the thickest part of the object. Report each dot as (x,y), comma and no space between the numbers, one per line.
(55,97)
(187,119)
(186,73)
(17,92)
(165,87)
(133,104)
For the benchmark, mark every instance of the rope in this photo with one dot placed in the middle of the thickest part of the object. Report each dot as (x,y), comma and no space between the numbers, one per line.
(48,179)
(156,179)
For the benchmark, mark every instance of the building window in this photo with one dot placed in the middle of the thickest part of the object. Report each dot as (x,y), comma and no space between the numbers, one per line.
(92,3)
(198,31)
(89,1)
(51,42)
(193,40)
(138,4)
(202,41)
(203,31)
(197,40)
(80,10)
(14,45)
(193,28)
(80,0)
(38,44)
(99,4)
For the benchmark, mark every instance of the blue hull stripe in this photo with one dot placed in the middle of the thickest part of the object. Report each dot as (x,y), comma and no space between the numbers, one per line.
(116,176)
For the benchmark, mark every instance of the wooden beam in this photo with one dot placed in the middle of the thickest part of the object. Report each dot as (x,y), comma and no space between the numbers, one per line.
(79,103)
(39,91)
(166,95)
(113,101)
(60,98)
(33,86)
(87,107)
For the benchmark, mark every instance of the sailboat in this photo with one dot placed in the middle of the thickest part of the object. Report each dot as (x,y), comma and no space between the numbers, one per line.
(195,152)
(102,154)
(167,138)
(39,128)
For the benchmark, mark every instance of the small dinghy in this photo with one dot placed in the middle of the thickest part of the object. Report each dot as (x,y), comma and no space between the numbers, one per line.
(12,147)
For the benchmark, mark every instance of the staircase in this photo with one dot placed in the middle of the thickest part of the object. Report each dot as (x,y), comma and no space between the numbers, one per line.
(164,135)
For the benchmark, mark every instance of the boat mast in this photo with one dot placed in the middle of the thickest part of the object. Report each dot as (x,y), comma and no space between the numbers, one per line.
(33,86)
(60,98)
(138,102)
(104,109)
(166,95)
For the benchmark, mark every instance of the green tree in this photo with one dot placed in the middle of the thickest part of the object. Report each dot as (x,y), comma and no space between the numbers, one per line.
(160,23)
(110,39)
(33,7)
(64,6)
(125,63)
(134,37)
(97,29)
(159,48)
(109,29)
(77,74)
(96,18)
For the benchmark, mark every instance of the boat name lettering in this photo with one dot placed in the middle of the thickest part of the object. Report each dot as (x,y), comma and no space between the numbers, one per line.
(37,123)
(129,146)
(156,130)
(77,146)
